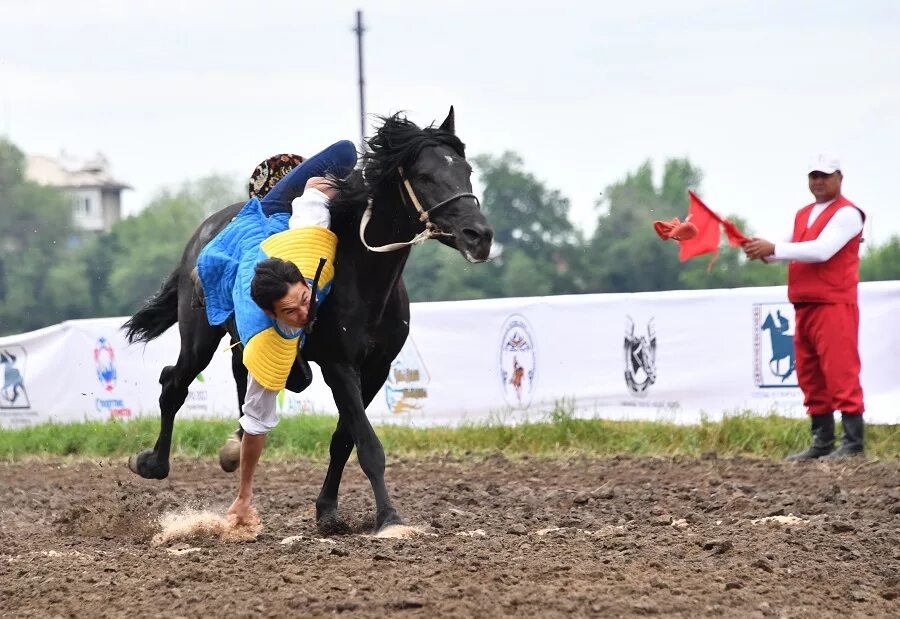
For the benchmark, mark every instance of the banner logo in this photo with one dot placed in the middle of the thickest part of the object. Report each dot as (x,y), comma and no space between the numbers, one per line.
(104,360)
(105,364)
(406,387)
(13,393)
(773,345)
(640,358)
(518,362)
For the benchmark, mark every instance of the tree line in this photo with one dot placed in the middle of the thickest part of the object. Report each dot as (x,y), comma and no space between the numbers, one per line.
(50,273)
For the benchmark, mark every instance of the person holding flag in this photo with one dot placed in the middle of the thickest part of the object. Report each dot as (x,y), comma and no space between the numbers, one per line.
(823,273)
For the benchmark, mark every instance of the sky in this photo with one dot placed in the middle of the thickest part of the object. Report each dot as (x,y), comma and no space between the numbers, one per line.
(585,92)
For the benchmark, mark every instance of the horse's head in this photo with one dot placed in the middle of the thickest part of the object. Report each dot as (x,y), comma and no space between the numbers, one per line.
(430,170)
(441,179)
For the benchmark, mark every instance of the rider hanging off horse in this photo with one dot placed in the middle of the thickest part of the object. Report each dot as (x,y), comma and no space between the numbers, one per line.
(264,266)
(269,280)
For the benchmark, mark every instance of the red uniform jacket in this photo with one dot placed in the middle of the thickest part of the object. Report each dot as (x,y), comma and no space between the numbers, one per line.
(832,281)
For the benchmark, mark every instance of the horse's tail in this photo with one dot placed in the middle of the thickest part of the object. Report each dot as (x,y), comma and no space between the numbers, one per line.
(158,314)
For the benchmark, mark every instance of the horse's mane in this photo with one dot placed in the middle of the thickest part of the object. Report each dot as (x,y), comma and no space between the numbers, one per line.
(396,143)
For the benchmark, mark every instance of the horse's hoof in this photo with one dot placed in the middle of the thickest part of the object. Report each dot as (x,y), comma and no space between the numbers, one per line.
(330,523)
(230,454)
(146,465)
(387,518)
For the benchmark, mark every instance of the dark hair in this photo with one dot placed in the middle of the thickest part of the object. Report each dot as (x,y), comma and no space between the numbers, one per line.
(271,279)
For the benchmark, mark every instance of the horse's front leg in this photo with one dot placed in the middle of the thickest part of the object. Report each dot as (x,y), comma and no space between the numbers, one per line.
(345,383)
(373,375)
(328,520)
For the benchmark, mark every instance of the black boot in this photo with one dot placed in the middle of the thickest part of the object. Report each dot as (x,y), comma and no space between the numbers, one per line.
(823,438)
(851,437)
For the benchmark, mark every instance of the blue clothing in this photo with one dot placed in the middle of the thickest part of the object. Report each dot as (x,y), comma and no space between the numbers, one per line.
(220,264)
(338,160)
(226,267)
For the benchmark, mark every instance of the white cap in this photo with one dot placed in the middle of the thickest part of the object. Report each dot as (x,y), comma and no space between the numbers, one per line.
(824,162)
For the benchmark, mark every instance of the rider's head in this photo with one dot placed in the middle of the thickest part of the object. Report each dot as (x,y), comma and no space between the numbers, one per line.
(280,290)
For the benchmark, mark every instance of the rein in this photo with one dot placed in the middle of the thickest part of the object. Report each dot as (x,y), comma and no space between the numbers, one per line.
(430,230)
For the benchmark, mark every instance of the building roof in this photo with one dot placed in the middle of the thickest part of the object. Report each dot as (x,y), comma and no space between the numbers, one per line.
(68,172)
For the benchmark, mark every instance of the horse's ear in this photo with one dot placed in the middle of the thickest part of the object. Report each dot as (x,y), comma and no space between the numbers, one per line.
(449,124)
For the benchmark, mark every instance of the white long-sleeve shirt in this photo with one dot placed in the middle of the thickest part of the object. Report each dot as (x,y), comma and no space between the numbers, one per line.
(845,224)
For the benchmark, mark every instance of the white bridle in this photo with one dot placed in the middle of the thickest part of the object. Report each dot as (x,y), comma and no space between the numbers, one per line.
(430,230)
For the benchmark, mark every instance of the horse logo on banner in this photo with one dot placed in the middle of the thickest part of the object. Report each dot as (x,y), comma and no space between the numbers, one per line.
(640,358)
(774,362)
(781,364)
(13,394)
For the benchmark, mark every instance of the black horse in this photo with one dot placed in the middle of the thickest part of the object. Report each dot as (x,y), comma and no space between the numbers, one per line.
(413,184)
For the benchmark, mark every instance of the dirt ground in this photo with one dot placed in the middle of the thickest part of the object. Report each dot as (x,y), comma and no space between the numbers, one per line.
(551,538)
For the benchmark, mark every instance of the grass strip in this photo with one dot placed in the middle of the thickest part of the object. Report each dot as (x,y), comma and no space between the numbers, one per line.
(560,434)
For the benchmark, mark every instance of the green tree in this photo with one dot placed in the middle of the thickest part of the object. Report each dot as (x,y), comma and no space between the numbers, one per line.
(524,213)
(438,273)
(524,277)
(127,265)
(211,193)
(35,230)
(539,249)
(531,223)
(882,262)
(624,254)
(68,290)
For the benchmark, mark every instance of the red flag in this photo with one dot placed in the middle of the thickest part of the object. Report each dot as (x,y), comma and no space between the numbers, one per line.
(708,231)
(735,237)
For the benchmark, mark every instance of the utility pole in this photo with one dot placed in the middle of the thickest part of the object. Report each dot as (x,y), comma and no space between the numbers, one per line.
(362,98)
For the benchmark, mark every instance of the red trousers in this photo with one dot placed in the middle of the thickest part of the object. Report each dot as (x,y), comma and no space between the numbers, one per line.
(826,344)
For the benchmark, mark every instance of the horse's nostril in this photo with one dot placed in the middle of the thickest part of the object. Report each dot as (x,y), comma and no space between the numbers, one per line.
(478,234)
(470,235)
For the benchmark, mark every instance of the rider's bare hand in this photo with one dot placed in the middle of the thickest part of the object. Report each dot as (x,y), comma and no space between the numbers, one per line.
(242,513)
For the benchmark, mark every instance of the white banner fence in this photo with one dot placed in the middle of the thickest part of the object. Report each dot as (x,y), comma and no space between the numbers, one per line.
(672,356)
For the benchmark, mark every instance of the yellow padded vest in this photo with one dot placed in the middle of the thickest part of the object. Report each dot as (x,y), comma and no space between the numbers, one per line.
(268,355)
